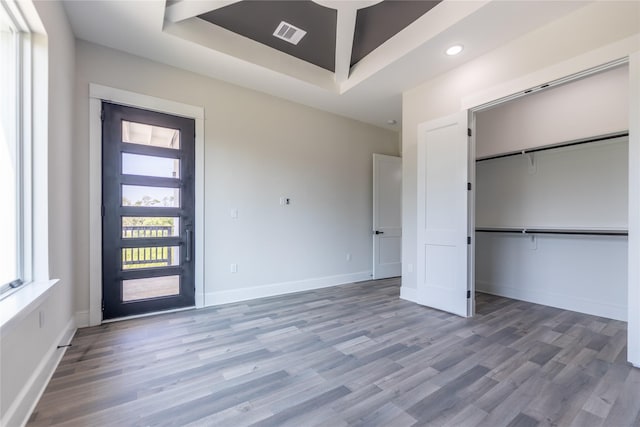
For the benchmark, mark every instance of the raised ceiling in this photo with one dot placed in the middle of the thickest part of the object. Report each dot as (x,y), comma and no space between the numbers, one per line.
(258,20)
(374,25)
(394,51)
(378,23)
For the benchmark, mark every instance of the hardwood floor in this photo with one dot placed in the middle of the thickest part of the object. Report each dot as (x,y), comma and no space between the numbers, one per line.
(348,355)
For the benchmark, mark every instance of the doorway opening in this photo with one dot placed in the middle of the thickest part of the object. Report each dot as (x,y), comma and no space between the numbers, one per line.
(551,196)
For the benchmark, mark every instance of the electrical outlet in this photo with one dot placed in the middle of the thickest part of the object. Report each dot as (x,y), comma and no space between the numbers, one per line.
(234,213)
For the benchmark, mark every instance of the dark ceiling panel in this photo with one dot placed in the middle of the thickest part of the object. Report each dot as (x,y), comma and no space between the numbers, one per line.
(378,23)
(258,19)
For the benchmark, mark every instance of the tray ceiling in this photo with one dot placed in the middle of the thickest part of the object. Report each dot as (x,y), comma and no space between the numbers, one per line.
(380,49)
(378,23)
(375,24)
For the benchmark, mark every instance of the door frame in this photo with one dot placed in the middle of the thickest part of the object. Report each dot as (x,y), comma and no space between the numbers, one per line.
(473,104)
(97,94)
(588,65)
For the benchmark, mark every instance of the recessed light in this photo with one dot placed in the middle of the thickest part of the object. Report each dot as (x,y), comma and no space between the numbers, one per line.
(391,122)
(454,50)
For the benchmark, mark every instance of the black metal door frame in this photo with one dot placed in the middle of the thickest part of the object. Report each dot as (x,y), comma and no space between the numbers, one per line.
(112,211)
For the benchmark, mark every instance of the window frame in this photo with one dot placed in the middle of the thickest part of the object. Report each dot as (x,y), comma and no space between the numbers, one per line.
(22,136)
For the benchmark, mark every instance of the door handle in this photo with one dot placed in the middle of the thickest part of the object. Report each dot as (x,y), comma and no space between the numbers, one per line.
(187,255)
(379,232)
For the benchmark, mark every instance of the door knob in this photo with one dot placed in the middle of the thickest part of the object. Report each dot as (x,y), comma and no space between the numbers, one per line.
(379,232)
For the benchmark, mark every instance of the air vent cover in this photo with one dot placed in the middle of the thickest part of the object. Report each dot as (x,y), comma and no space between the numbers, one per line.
(288,32)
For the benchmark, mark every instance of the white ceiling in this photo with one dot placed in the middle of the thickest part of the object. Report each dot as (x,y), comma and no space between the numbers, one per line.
(372,92)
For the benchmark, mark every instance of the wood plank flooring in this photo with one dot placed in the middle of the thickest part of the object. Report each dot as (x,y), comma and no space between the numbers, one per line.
(352,355)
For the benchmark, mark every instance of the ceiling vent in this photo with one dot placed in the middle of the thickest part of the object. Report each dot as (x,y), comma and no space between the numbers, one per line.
(288,32)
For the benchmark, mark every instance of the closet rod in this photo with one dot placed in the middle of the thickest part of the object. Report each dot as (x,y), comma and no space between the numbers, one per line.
(551,147)
(554,231)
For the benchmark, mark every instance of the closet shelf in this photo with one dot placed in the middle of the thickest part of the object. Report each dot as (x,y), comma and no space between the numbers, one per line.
(570,231)
(562,145)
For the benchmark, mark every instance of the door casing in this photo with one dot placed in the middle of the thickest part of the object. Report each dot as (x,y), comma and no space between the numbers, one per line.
(98,93)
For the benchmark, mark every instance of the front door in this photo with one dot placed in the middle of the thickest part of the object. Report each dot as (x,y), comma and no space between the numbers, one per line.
(148,166)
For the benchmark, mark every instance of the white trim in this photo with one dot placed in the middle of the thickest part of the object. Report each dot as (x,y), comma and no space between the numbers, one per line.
(590,60)
(552,299)
(98,93)
(633,275)
(409,294)
(40,159)
(132,99)
(552,84)
(95,212)
(275,289)
(25,402)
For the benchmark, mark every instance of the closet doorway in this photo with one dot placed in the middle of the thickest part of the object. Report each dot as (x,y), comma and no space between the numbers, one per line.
(551,195)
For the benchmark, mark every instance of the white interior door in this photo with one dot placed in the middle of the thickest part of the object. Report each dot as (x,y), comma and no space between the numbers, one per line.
(443,214)
(387,216)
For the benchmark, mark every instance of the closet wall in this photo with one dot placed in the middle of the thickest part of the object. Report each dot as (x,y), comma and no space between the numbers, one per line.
(581,187)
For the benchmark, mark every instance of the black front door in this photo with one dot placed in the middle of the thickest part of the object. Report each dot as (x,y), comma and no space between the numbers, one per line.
(148,164)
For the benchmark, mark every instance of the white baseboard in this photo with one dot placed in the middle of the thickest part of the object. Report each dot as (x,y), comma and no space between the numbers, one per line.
(409,294)
(253,292)
(82,319)
(563,301)
(20,410)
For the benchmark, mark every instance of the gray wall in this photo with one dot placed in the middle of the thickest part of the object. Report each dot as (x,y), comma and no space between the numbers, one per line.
(257,149)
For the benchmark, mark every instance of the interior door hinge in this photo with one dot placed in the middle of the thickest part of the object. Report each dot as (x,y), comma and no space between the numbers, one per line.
(468,240)
(468,294)
(469,186)
(103,210)
(102,115)
(469,131)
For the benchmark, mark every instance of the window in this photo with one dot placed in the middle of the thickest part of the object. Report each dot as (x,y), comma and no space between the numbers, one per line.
(12,191)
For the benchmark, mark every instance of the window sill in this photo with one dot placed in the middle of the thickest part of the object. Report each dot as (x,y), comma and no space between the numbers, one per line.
(21,303)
